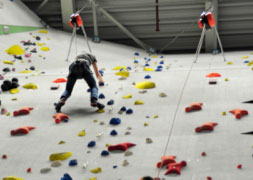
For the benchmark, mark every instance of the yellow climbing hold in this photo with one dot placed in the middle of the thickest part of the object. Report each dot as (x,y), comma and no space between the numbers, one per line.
(61,142)
(107,145)
(119,68)
(100,110)
(60,156)
(229,63)
(41,44)
(82,133)
(14,99)
(44,48)
(8,62)
(245,57)
(12,178)
(155,116)
(138,102)
(250,63)
(127,96)
(226,79)
(123,73)
(15,50)
(146,124)
(145,85)
(14,91)
(94,178)
(8,114)
(148,69)
(25,72)
(154,56)
(224,113)
(30,86)
(96,170)
(43,31)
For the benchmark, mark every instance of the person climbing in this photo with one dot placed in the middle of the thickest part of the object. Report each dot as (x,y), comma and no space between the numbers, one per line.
(80,69)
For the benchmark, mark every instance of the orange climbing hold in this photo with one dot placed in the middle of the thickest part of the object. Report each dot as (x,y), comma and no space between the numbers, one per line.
(175,167)
(22,111)
(60,117)
(206,127)
(22,130)
(120,147)
(60,80)
(239,113)
(213,75)
(165,160)
(194,107)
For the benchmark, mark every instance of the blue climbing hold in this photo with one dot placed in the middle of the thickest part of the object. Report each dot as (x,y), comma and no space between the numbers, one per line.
(88,90)
(121,69)
(136,54)
(101,72)
(161,62)
(101,96)
(246,61)
(111,102)
(113,133)
(91,144)
(114,167)
(73,162)
(145,58)
(129,111)
(161,56)
(159,67)
(115,121)
(66,120)
(147,77)
(105,153)
(123,109)
(101,83)
(66,177)
(129,68)
(136,62)
(147,65)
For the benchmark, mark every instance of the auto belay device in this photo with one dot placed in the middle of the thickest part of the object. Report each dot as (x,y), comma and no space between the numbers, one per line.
(207,22)
(76,22)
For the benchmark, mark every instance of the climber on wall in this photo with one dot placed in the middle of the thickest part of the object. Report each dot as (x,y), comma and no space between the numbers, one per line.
(80,69)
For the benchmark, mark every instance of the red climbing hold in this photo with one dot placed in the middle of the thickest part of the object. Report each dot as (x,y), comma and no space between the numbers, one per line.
(213,75)
(239,113)
(22,111)
(208,178)
(60,80)
(206,127)
(22,130)
(120,147)
(4,156)
(29,170)
(175,167)
(239,166)
(60,117)
(165,160)
(203,154)
(194,107)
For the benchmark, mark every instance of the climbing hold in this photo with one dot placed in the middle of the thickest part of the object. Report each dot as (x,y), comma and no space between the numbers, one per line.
(25,72)
(105,153)
(111,102)
(213,75)
(43,31)
(14,91)
(155,116)
(45,48)
(30,86)
(123,109)
(203,154)
(136,62)
(29,170)
(239,166)
(143,91)
(101,83)
(119,68)
(127,133)
(100,110)
(113,133)
(239,113)
(127,96)
(125,163)
(15,50)
(94,178)
(149,140)
(123,73)
(73,162)
(162,94)
(59,117)
(8,62)
(145,85)
(115,121)
(4,156)
(206,127)
(12,178)
(96,170)
(22,111)
(45,170)
(165,161)
(56,164)
(212,81)
(60,80)
(148,69)
(194,107)
(54,87)
(224,113)
(120,147)
(66,177)
(138,102)
(226,79)
(175,167)
(60,156)
(147,77)
(129,111)
(208,178)
(91,144)
(82,133)
(61,142)
(128,153)
(136,54)
(22,130)
(229,63)
(101,96)
(158,69)
(32,68)
(146,124)
(28,55)
(245,57)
